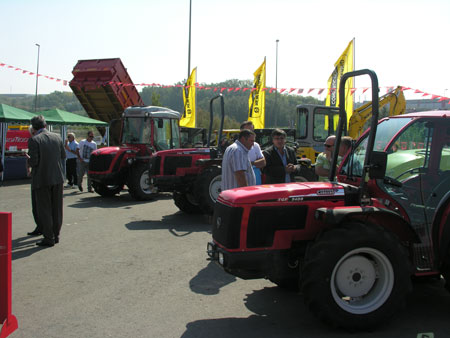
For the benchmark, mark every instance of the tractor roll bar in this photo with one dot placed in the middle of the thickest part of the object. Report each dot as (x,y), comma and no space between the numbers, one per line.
(211,117)
(343,119)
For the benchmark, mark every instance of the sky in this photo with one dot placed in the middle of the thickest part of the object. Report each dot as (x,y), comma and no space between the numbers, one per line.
(405,42)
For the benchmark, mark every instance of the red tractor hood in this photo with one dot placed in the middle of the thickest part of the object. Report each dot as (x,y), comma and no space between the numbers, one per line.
(115,150)
(106,151)
(281,192)
(183,151)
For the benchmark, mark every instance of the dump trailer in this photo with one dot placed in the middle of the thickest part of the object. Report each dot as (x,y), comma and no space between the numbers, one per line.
(105,90)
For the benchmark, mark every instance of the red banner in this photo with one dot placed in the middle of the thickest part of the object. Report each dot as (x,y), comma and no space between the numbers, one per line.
(17,140)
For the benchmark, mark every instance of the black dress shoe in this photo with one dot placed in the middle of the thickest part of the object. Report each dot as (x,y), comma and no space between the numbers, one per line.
(34,233)
(45,242)
(56,239)
(80,188)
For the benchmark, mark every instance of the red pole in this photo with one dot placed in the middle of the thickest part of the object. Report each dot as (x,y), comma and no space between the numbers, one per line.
(6,317)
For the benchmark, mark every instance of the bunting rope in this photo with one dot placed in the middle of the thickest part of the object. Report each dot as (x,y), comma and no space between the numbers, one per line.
(297,91)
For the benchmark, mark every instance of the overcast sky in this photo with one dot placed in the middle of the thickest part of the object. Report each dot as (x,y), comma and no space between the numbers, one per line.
(405,42)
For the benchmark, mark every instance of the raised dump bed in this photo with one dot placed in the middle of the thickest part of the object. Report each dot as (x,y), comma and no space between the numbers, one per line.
(104,88)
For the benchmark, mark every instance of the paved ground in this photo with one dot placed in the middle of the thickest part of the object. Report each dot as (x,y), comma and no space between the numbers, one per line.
(139,269)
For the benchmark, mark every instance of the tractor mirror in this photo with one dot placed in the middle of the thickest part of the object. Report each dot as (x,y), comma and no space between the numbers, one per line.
(377,165)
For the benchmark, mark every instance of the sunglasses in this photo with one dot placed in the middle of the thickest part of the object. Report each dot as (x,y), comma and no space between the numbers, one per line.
(328,145)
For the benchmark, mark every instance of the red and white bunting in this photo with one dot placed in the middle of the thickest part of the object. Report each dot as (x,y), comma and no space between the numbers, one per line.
(286,91)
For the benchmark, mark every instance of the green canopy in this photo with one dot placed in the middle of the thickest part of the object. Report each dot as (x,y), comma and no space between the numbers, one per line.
(57,116)
(10,114)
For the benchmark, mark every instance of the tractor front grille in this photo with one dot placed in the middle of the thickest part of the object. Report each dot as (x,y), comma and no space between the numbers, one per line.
(171,163)
(100,162)
(227,225)
(154,164)
(265,221)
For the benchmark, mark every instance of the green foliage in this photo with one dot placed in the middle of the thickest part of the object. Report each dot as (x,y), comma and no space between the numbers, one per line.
(156,99)
(236,103)
(60,100)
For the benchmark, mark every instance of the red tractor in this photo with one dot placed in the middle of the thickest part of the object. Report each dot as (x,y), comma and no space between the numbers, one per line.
(193,175)
(145,130)
(353,244)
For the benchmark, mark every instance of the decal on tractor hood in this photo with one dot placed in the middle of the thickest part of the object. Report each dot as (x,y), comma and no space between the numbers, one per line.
(196,151)
(319,193)
(335,192)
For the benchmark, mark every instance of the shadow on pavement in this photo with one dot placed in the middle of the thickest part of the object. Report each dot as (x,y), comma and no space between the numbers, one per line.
(210,279)
(24,247)
(280,313)
(277,313)
(89,200)
(178,224)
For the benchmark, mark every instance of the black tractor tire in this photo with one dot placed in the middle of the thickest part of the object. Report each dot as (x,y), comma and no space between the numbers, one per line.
(446,271)
(186,203)
(107,190)
(290,284)
(356,276)
(207,188)
(139,185)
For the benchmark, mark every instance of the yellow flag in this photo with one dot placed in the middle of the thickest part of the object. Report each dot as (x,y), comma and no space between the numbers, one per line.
(343,65)
(188,118)
(257,99)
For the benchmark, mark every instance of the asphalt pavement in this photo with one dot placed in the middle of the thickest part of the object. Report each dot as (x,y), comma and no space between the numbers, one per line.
(139,269)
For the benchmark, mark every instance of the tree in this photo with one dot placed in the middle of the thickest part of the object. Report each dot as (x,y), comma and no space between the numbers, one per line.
(155,99)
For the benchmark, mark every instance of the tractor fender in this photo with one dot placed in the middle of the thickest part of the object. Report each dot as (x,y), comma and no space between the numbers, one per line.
(388,219)
(441,228)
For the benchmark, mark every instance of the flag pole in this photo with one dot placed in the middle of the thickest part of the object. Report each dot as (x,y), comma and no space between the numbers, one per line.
(354,79)
(195,99)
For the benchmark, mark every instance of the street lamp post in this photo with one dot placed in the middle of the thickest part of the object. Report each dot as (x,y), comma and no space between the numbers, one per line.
(189,48)
(37,77)
(276,85)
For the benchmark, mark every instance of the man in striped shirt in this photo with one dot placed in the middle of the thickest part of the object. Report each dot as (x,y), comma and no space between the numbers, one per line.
(237,170)
(255,154)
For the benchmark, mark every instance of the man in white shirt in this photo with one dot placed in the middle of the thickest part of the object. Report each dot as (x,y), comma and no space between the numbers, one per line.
(84,150)
(236,167)
(255,154)
(71,146)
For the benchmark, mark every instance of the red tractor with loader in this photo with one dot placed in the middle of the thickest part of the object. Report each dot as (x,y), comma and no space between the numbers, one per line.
(353,244)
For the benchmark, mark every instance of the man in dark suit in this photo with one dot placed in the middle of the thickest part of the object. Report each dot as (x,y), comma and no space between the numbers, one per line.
(280,160)
(46,151)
